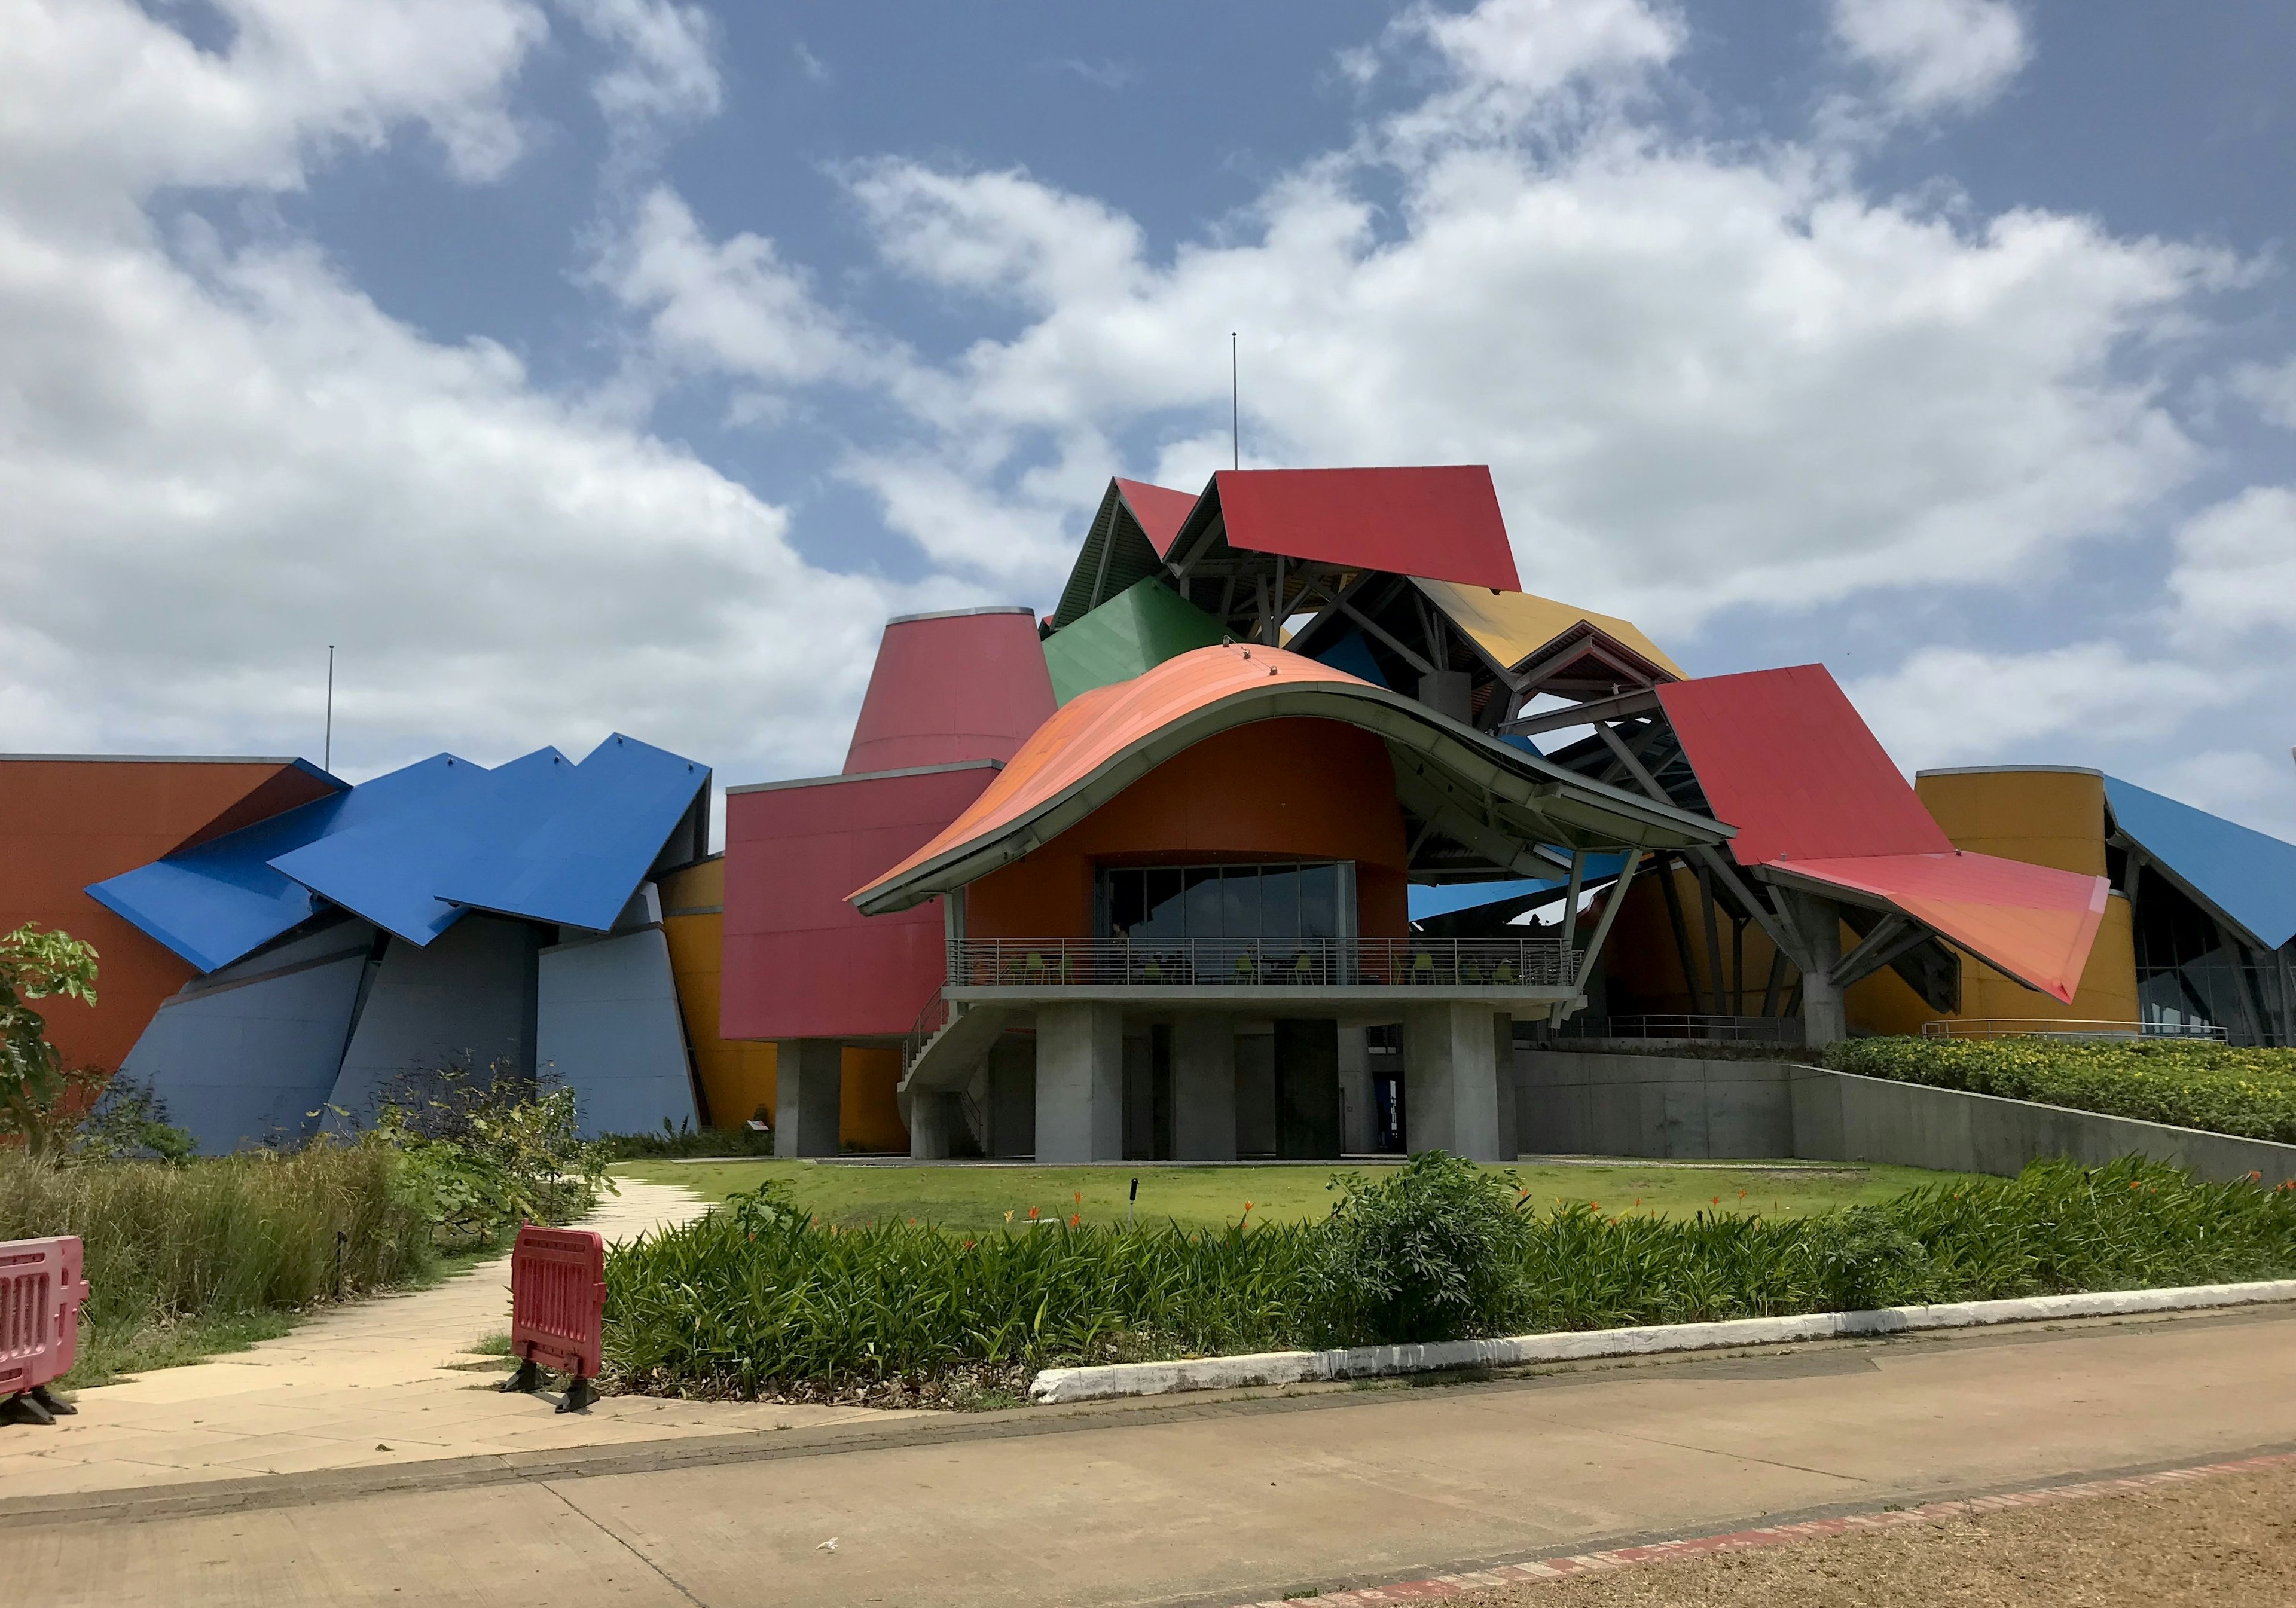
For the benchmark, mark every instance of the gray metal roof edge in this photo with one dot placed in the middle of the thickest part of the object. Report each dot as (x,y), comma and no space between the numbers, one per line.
(823,781)
(958,614)
(2008,771)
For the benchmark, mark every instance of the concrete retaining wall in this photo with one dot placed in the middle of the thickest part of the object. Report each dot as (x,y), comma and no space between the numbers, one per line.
(1572,1103)
(1840,1117)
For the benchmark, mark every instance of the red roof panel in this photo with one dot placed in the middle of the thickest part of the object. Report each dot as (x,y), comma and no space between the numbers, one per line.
(1441,522)
(2032,922)
(1784,757)
(950,687)
(1159,509)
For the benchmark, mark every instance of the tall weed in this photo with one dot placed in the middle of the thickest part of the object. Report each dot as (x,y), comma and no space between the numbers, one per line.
(216,1239)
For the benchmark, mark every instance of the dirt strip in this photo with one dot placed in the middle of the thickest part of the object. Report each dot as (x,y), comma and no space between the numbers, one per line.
(2177,1536)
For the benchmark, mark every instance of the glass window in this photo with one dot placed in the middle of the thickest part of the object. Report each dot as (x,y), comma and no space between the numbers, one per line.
(1279,902)
(1163,900)
(1203,903)
(1319,900)
(1162,905)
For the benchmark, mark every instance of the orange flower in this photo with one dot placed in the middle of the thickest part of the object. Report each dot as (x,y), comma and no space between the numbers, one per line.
(1032,1214)
(967,1244)
(1718,1200)
(1074,1220)
(1080,1197)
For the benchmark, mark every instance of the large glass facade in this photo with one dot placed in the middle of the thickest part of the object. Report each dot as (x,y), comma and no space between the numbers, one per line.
(2191,974)
(1159,904)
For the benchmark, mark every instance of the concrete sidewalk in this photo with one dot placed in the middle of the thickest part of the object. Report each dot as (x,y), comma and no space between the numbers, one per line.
(385,1381)
(1208,1502)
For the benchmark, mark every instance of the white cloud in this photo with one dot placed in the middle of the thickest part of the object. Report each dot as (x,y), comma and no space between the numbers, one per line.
(1934,55)
(1954,706)
(665,69)
(1517,61)
(215,460)
(1701,381)
(732,306)
(2235,570)
(2272,388)
(101,104)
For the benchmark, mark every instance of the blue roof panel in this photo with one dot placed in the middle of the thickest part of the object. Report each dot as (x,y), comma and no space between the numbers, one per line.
(223,900)
(2248,877)
(388,870)
(579,861)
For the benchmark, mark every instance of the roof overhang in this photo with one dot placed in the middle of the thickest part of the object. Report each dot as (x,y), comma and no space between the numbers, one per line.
(1499,800)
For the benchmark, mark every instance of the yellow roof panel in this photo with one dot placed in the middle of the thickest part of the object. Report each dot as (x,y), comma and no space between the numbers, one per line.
(1513,625)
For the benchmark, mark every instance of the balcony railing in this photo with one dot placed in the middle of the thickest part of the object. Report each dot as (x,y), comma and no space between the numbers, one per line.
(1771,1030)
(1270,963)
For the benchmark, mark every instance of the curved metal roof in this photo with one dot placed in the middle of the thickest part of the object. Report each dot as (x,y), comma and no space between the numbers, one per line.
(1500,801)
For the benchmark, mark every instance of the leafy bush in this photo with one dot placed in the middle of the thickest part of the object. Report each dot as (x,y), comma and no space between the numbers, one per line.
(485,1151)
(41,1100)
(685,1141)
(1432,1251)
(2189,1083)
(757,1297)
(129,1123)
(168,1246)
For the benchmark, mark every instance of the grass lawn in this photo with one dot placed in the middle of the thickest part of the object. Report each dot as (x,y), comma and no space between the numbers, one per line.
(974,1197)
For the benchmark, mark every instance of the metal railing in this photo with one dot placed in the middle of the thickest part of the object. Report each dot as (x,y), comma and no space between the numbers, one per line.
(1758,1030)
(1272,963)
(2051,1027)
(937,1013)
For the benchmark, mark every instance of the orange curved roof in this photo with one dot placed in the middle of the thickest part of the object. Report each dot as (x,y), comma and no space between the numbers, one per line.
(1109,736)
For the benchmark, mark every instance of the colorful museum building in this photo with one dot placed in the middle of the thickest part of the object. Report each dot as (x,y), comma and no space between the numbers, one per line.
(1291,828)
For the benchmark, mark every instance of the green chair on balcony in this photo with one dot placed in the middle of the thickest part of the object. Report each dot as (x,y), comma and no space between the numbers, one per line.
(1247,969)
(1423,967)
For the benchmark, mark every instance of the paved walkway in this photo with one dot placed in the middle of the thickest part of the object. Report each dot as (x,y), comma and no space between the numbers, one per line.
(385,1381)
(1197,1502)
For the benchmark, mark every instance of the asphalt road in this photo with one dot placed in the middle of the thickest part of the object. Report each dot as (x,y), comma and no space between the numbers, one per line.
(1195,1501)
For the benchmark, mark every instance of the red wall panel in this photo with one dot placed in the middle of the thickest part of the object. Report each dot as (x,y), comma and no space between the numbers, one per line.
(801,962)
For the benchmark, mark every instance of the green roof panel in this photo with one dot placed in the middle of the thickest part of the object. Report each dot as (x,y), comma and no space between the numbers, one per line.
(1130,634)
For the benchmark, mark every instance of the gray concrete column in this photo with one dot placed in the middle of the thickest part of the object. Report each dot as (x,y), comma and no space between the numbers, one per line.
(1354,1089)
(1503,1047)
(1080,1083)
(1818,922)
(1450,1074)
(1203,1088)
(933,1121)
(808,1095)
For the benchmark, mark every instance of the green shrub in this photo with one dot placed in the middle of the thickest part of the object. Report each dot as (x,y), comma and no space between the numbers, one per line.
(216,1240)
(672,1143)
(757,1297)
(486,1152)
(1432,1251)
(2188,1083)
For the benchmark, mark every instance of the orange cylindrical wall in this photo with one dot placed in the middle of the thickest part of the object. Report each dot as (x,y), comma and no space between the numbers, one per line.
(1277,789)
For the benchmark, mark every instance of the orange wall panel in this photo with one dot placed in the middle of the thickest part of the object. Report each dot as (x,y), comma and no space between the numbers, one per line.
(1278,789)
(65,823)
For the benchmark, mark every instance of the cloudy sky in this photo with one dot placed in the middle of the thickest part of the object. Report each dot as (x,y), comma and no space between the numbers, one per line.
(591,364)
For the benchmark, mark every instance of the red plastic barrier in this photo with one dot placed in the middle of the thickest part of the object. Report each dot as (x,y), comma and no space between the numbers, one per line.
(40,1294)
(558,1306)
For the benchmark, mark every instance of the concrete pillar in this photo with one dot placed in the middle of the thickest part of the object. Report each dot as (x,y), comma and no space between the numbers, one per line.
(1450,1074)
(1818,922)
(1503,1046)
(808,1091)
(1080,1083)
(1356,1112)
(933,1121)
(1203,1088)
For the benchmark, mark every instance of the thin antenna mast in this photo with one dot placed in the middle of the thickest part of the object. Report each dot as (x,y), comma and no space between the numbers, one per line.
(1234,409)
(327,754)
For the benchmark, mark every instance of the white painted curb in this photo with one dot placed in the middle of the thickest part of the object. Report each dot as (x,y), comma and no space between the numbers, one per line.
(1056,1386)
